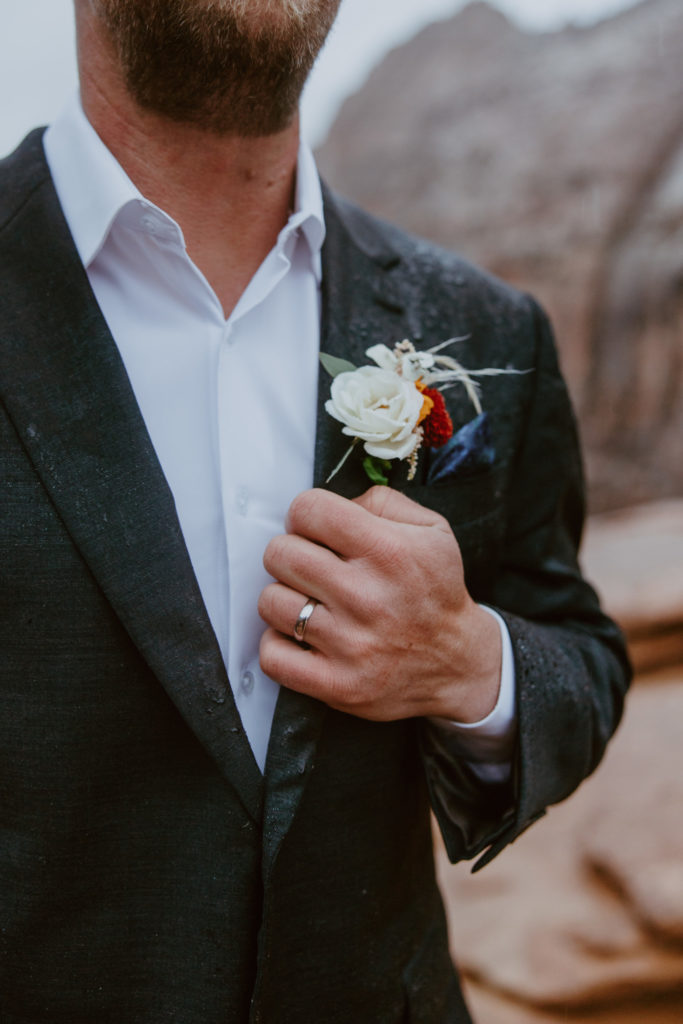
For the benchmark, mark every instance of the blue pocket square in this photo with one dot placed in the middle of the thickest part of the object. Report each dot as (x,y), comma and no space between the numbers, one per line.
(469,449)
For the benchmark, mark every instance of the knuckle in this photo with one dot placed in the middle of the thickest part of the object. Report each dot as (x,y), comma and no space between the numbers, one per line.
(441,523)
(388,550)
(376,497)
(301,510)
(268,658)
(355,695)
(274,554)
(264,604)
(368,607)
(357,598)
(341,692)
(360,651)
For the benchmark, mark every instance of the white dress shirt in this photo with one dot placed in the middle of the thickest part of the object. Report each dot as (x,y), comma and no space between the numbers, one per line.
(229,404)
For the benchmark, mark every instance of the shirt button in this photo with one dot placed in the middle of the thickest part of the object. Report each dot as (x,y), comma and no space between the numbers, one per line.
(242,501)
(148,222)
(157,227)
(247,682)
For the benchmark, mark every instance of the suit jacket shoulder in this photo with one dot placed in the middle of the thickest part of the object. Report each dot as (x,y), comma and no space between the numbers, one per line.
(21,172)
(436,271)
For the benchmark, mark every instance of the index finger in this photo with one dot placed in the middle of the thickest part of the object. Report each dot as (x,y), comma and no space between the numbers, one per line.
(344,526)
(386,503)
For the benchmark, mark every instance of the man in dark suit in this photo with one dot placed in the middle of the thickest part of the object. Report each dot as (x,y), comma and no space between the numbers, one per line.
(183,843)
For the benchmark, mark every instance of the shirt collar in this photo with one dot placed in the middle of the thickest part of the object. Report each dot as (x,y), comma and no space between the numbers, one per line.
(308,206)
(94,190)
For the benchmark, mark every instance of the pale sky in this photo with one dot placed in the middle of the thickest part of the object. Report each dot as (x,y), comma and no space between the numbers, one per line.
(38,68)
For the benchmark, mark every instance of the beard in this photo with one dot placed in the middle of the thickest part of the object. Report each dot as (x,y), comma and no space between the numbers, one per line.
(230,67)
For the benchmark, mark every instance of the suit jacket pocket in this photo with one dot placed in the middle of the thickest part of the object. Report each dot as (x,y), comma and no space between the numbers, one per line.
(462,499)
(474,505)
(431,983)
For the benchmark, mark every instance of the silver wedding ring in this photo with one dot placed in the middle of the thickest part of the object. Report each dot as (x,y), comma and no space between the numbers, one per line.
(302,621)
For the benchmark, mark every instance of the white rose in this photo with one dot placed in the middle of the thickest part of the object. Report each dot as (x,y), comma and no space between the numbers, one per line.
(380,408)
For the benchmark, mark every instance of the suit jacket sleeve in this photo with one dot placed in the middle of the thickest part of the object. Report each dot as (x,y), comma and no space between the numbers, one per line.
(571,667)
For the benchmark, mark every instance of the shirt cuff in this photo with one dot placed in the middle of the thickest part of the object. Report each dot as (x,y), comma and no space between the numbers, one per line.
(490,742)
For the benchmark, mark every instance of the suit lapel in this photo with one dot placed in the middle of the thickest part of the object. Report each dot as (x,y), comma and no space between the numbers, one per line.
(69,397)
(75,412)
(361,305)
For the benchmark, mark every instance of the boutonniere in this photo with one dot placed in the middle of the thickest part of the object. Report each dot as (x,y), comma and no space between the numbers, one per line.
(396,408)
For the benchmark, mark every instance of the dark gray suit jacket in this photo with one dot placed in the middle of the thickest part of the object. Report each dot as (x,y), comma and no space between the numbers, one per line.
(147,872)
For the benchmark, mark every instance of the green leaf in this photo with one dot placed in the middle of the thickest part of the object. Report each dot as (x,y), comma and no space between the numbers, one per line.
(376,469)
(334,365)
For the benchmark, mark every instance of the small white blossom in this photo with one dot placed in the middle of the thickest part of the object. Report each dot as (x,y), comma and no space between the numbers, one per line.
(416,365)
(384,357)
(404,360)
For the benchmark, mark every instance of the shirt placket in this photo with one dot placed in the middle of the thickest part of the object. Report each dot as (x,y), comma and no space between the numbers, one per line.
(240,404)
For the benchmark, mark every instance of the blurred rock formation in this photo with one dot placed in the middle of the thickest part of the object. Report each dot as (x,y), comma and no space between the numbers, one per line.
(582,919)
(556,160)
(634,557)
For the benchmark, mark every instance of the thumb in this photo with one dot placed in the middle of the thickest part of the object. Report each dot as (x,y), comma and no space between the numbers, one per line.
(386,503)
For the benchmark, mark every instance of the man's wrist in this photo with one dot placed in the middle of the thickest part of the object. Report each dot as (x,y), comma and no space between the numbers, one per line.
(491,738)
(472,693)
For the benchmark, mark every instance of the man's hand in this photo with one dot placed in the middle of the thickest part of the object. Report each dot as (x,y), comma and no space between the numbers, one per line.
(395,633)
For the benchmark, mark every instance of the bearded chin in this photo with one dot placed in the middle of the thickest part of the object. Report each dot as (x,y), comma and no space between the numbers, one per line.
(230,68)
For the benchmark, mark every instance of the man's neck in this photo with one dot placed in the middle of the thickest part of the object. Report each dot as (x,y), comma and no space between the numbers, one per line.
(230,195)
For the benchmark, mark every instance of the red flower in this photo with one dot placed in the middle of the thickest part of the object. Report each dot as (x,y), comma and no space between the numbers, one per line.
(438,426)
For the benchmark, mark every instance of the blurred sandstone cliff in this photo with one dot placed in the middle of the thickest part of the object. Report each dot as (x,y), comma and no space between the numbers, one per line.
(581,920)
(555,160)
